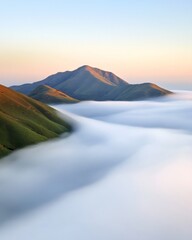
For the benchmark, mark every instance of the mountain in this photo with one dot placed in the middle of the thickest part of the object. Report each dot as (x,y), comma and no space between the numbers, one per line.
(25,121)
(88,83)
(134,92)
(47,94)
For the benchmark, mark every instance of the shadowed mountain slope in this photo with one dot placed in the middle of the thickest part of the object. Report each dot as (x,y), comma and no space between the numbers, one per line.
(25,121)
(47,94)
(87,83)
(134,92)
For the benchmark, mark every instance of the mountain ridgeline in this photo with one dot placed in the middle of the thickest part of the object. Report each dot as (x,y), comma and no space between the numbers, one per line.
(88,83)
(25,121)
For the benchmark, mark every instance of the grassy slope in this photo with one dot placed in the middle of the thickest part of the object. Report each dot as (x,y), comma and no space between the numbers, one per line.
(24,121)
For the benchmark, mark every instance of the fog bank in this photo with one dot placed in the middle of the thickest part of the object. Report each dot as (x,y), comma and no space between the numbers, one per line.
(125,173)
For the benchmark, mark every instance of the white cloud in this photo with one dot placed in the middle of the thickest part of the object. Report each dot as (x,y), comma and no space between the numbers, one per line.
(125,173)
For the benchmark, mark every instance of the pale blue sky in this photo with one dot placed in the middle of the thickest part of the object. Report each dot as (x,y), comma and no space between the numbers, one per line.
(139,40)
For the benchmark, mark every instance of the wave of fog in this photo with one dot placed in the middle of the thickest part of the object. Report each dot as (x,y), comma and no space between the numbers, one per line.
(172,112)
(125,173)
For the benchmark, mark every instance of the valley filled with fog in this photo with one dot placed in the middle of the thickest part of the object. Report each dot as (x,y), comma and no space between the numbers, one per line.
(124,173)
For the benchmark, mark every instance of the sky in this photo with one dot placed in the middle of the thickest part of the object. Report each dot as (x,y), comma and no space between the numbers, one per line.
(138,40)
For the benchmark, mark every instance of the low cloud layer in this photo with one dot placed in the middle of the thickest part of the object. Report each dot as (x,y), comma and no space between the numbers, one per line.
(125,173)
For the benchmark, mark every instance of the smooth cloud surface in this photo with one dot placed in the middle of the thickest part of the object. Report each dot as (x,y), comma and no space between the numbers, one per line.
(125,173)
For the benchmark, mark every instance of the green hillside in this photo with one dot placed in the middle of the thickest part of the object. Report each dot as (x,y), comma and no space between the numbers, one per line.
(25,121)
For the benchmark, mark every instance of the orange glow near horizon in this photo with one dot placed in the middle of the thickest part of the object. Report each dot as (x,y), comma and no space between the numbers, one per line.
(137,41)
(136,60)
(25,66)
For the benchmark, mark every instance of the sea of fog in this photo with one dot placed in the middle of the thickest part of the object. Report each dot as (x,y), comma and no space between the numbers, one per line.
(124,173)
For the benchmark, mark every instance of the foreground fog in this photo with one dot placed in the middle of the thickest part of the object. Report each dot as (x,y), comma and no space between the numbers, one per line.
(125,173)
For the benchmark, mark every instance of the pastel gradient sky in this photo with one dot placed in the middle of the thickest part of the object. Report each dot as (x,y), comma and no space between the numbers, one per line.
(139,40)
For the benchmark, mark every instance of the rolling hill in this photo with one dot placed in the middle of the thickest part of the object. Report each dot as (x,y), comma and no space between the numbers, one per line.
(48,95)
(25,121)
(88,83)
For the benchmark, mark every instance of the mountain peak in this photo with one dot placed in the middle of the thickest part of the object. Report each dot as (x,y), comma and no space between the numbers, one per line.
(93,69)
(90,83)
(85,67)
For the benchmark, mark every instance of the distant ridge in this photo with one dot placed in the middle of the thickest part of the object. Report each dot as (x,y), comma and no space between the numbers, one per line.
(88,83)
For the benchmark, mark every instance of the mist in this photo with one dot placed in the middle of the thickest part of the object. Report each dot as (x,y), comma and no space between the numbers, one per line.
(124,173)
